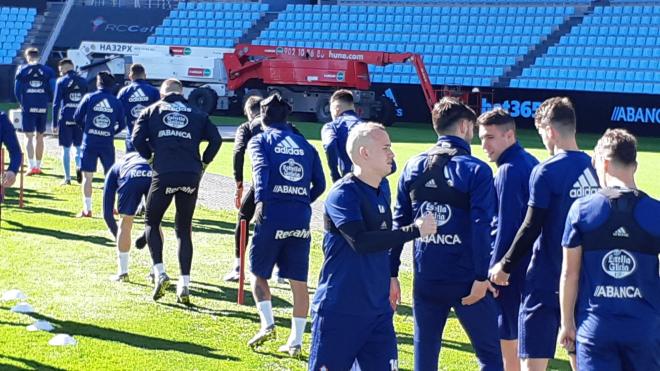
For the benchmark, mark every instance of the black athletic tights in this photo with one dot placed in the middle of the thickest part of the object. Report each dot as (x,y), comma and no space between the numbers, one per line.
(183,187)
(246,212)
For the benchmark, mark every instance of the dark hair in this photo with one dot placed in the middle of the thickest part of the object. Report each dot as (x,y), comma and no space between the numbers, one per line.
(498,117)
(274,109)
(105,79)
(448,112)
(557,112)
(138,70)
(342,96)
(65,61)
(618,146)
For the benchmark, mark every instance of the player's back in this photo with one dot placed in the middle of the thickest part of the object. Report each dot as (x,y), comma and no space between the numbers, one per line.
(136,97)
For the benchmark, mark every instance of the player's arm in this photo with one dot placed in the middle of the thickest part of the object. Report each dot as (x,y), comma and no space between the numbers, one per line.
(57,103)
(52,82)
(260,167)
(570,277)
(403,215)
(121,118)
(329,140)
(240,145)
(81,110)
(508,211)
(109,192)
(140,135)
(483,202)
(11,142)
(18,86)
(214,139)
(318,178)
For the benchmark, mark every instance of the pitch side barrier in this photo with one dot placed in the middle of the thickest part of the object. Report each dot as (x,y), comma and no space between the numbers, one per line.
(638,113)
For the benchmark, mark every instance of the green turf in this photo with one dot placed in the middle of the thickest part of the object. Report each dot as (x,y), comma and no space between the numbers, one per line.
(62,264)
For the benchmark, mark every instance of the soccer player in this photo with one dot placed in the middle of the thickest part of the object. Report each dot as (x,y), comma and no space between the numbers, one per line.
(33,89)
(611,250)
(8,138)
(497,131)
(450,266)
(129,178)
(101,116)
(351,312)
(288,177)
(168,135)
(135,97)
(610,269)
(69,90)
(335,133)
(553,186)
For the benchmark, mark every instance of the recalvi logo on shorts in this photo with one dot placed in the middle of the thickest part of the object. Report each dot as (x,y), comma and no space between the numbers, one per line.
(297,233)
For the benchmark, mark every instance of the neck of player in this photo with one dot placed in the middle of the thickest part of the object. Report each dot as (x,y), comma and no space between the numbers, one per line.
(369,177)
(566,144)
(620,179)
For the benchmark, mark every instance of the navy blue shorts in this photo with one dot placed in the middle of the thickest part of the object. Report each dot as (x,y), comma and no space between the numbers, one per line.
(508,305)
(538,325)
(283,238)
(34,122)
(91,155)
(70,134)
(130,195)
(339,339)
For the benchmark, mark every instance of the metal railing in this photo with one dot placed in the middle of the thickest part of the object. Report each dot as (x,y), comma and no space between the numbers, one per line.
(55,33)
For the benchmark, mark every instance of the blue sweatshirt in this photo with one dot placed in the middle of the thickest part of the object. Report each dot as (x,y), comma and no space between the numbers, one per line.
(69,91)
(136,97)
(334,135)
(460,251)
(8,138)
(285,166)
(33,87)
(101,116)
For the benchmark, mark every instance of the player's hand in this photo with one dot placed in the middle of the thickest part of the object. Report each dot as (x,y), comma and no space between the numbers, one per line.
(8,178)
(498,276)
(238,196)
(567,338)
(426,225)
(150,161)
(395,293)
(477,292)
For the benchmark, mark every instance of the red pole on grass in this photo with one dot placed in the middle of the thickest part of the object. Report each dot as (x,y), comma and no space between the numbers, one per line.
(20,194)
(2,189)
(241,272)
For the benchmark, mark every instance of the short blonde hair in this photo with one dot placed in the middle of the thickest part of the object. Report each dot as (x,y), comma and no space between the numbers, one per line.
(171,86)
(360,135)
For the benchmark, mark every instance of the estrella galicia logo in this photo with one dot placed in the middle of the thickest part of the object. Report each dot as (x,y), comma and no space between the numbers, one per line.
(75,97)
(35,83)
(291,170)
(175,120)
(441,212)
(101,121)
(136,110)
(642,115)
(619,263)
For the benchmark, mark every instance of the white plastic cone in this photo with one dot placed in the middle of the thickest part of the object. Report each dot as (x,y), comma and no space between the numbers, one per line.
(62,340)
(41,325)
(22,307)
(13,294)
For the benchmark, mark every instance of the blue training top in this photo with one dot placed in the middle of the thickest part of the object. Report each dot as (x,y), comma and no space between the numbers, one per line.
(351,282)
(334,135)
(134,98)
(101,116)
(34,87)
(8,138)
(69,91)
(460,250)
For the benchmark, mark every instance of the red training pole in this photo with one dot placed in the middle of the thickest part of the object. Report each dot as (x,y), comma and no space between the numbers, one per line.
(2,189)
(241,272)
(20,194)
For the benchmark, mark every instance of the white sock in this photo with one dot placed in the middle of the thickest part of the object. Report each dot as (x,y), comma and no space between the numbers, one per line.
(32,163)
(297,330)
(87,202)
(237,263)
(158,269)
(38,163)
(265,309)
(122,258)
(184,281)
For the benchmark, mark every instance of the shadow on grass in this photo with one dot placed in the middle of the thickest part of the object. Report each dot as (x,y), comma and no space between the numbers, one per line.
(60,235)
(30,364)
(205,226)
(230,294)
(134,340)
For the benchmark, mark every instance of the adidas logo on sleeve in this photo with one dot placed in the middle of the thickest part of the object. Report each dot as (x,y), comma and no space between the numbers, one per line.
(103,106)
(585,185)
(138,96)
(288,147)
(620,232)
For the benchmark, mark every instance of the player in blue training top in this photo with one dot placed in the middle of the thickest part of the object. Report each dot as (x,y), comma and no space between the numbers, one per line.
(33,89)
(553,186)
(8,138)
(288,177)
(130,179)
(101,116)
(69,90)
(497,131)
(136,97)
(450,266)
(610,274)
(351,312)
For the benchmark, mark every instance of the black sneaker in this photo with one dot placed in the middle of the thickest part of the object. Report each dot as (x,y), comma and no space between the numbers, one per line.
(141,242)
(78,175)
(120,277)
(262,336)
(183,296)
(160,286)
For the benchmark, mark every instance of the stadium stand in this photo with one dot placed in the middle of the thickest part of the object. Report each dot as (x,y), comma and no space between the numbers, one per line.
(460,45)
(14,26)
(615,49)
(218,24)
